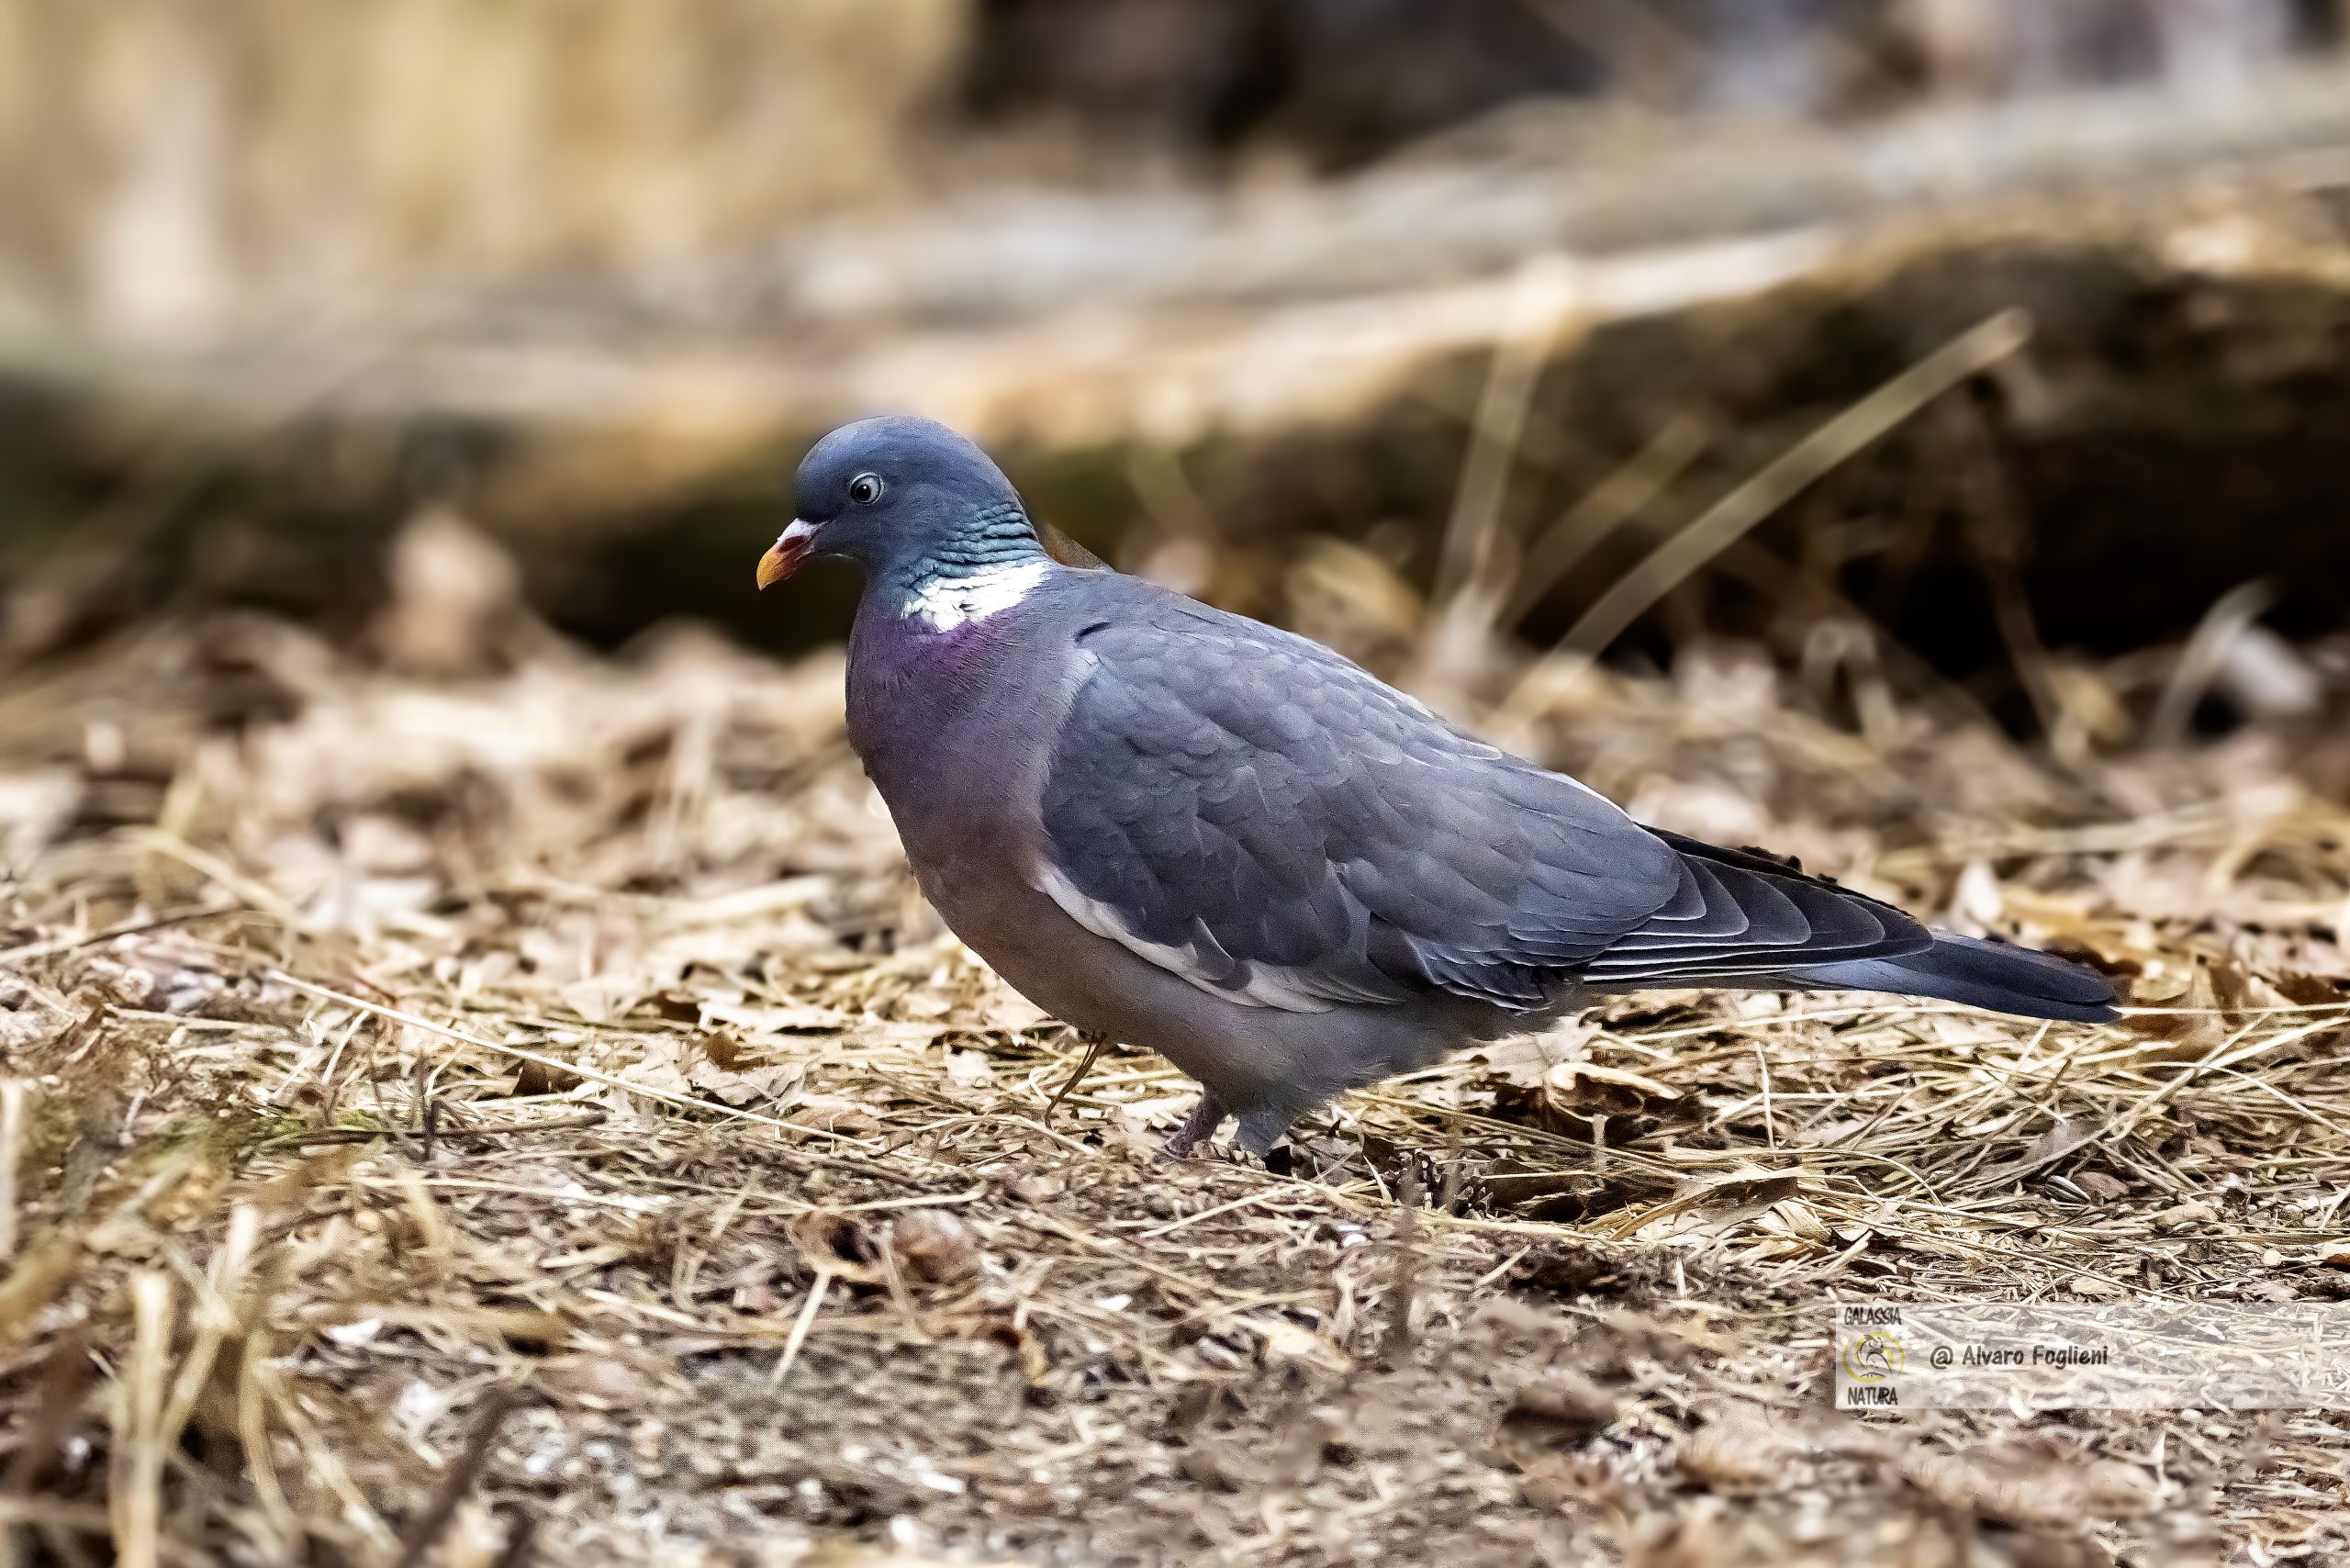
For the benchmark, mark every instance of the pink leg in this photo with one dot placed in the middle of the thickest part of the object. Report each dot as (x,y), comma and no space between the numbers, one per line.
(1200,1127)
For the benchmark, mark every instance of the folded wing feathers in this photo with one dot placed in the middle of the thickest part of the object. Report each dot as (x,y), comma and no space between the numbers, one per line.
(1256,815)
(1761,917)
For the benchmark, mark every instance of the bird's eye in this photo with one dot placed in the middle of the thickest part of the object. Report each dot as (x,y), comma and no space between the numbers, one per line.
(864,489)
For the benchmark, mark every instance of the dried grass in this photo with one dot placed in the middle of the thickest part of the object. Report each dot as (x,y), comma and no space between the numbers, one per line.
(532,1114)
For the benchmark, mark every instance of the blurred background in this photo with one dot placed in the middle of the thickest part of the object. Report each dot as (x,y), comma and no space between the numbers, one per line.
(1425,326)
(1906,434)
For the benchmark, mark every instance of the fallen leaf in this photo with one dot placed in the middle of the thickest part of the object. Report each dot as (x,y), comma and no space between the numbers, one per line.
(933,1245)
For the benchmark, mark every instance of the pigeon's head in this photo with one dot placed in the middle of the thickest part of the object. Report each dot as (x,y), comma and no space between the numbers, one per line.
(895,495)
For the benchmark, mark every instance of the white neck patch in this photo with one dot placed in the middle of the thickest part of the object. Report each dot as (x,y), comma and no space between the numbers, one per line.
(943,603)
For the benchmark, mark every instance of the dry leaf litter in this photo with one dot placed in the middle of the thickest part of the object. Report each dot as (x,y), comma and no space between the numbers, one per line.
(468,1102)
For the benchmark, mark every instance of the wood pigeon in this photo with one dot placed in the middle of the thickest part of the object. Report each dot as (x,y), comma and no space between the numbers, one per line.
(1186,830)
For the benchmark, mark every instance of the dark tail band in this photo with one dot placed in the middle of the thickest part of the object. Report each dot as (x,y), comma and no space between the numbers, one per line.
(1979,974)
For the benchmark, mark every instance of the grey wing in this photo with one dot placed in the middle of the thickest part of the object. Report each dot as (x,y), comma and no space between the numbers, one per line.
(1257,815)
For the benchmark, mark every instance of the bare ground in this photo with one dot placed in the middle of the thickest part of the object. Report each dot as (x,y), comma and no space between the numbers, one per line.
(531,1116)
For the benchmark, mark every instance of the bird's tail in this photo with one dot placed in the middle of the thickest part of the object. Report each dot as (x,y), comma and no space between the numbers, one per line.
(1980,974)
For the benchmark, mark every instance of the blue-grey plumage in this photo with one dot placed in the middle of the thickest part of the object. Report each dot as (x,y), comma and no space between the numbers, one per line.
(1197,833)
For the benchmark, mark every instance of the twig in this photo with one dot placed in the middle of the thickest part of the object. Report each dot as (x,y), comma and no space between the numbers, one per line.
(520,1536)
(2229,616)
(12,1135)
(1994,542)
(427,1109)
(1398,1347)
(1545,293)
(252,1435)
(1467,596)
(324,1458)
(324,1137)
(428,1526)
(218,1312)
(799,1327)
(1172,1225)
(1093,1044)
(1786,476)
(83,1518)
(56,1409)
(10,956)
(255,895)
(137,1500)
(1606,507)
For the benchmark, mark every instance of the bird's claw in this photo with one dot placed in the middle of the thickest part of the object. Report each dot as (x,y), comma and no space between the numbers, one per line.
(1238,1154)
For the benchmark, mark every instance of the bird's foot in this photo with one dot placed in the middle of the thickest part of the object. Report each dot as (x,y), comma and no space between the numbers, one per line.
(1260,1131)
(1199,1127)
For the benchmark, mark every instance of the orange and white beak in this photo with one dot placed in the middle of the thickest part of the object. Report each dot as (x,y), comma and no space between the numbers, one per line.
(783,557)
